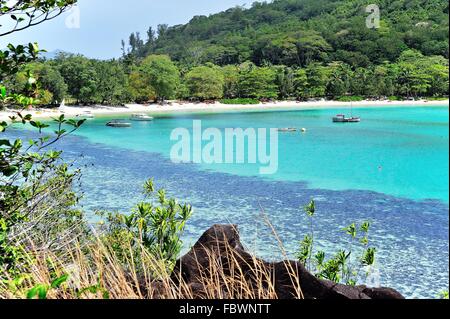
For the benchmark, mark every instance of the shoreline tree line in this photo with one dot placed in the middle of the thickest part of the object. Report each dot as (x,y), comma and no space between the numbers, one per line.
(157,78)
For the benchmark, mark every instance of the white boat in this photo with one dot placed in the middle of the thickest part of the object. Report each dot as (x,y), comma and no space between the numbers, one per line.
(141,117)
(341,118)
(86,115)
(287,129)
(118,123)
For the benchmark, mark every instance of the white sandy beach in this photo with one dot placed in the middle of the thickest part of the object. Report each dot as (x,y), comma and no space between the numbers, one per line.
(176,107)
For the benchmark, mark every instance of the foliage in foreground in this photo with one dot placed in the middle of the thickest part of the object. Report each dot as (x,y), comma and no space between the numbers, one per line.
(342,267)
(444,295)
(156,227)
(95,271)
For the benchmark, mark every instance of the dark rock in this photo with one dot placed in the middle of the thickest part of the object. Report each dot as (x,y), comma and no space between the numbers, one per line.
(382,293)
(219,254)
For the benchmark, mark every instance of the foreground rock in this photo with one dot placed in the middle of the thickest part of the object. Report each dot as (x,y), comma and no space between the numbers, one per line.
(218,259)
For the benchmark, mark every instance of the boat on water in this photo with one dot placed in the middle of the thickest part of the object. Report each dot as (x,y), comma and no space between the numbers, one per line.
(86,115)
(287,129)
(341,118)
(118,123)
(141,117)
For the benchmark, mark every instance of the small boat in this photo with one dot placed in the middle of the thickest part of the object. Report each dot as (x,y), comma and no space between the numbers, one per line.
(287,129)
(341,118)
(86,115)
(141,117)
(118,123)
(354,120)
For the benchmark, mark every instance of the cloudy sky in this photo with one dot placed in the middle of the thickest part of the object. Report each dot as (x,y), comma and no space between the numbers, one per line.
(104,23)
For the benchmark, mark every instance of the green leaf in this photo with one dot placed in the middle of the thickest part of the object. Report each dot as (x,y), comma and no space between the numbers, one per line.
(59,281)
(39,291)
(5,143)
(9,170)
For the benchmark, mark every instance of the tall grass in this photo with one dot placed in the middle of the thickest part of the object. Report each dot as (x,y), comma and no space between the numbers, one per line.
(94,272)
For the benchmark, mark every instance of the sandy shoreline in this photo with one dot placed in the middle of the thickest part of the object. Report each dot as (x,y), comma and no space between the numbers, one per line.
(173,108)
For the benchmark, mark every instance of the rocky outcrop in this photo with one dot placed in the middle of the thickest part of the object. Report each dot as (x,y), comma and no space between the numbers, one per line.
(218,258)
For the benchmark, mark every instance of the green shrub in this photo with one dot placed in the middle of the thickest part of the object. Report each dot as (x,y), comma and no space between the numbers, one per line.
(37,202)
(156,227)
(443,295)
(239,101)
(355,98)
(340,268)
(437,98)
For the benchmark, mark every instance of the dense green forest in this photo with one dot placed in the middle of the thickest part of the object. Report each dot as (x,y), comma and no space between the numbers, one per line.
(299,32)
(285,49)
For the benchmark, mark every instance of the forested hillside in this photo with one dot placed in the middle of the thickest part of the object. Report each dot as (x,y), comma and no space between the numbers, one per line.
(298,32)
(286,49)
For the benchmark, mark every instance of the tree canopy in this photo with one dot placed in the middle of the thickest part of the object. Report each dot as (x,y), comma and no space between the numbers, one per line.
(300,32)
(285,49)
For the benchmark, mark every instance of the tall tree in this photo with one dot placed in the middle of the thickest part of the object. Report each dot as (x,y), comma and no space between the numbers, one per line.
(80,76)
(162,74)
(258,82)
(151,36)
(339,79)
(112,83)
(205,82)
(285,81)
(162,30)
(231,81)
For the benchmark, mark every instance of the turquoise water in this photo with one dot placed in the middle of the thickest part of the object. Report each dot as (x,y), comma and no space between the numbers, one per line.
(397,151)
(391,169)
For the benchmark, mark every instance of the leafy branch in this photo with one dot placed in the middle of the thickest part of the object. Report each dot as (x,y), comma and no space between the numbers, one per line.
(23,14)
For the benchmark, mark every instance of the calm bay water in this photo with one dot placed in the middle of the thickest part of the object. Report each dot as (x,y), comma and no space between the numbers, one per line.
(400,152)
(391,169)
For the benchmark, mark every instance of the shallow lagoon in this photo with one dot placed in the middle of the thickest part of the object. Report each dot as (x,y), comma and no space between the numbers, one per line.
(397,151)
(338,165)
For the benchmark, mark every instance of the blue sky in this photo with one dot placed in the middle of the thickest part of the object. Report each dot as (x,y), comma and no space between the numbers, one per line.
(103,23)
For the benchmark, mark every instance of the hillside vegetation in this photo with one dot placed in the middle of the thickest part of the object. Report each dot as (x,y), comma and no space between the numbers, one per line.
(299,32)
(286,49)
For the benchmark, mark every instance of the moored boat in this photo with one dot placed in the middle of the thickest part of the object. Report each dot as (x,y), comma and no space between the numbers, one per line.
(354,119)
(141,117)
(86,115)
(287,129)
(118,123)
(341,118)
